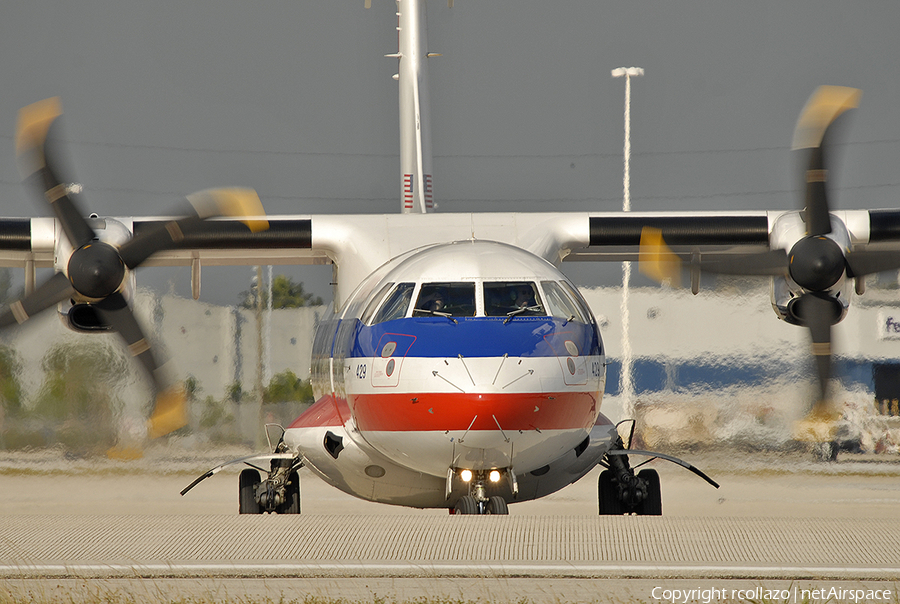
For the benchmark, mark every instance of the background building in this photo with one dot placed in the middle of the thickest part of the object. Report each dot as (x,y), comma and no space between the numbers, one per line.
(718,367)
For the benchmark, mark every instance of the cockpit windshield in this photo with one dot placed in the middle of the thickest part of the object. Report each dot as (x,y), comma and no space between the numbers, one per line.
(508,298)
(459,299)
(445,300)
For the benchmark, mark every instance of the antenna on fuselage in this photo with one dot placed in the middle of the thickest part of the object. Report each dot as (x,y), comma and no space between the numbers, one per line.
(416,176)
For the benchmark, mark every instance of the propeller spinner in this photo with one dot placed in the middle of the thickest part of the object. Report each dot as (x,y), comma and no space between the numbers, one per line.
(97,271)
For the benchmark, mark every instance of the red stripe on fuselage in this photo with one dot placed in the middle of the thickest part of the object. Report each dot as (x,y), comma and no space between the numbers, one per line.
(602,420)
(324,412)
(397,412)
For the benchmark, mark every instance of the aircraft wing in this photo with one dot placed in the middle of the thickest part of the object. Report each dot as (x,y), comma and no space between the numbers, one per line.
(219,242)
(617,236)
(359,243)
(311,239)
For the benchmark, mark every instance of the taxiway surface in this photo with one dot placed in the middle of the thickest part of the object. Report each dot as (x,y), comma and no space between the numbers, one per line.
(125,525)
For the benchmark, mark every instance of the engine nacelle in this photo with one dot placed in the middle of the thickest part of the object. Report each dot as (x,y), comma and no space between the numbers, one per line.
(82,318)
(784,301)
(787,231)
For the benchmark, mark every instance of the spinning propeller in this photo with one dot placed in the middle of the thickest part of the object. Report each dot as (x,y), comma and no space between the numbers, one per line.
(816,264)
(97,271)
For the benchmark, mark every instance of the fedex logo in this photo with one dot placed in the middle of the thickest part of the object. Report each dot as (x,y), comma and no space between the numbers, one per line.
(889,327)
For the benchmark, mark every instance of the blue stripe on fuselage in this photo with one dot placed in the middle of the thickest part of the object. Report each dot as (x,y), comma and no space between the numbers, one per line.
(438,337)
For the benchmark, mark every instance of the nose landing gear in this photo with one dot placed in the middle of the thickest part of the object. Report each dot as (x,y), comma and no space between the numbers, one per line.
(477,502)
(492,505)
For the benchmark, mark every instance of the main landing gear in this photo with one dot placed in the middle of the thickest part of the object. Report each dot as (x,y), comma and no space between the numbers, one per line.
(621,491)
(278,493)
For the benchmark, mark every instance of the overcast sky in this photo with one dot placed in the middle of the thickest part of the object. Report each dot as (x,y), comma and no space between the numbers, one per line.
(295,99)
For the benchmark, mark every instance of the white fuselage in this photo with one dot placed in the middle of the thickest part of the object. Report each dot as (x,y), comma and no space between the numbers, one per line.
(481,381)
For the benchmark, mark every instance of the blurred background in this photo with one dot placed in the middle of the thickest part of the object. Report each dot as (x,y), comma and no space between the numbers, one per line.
(296,100)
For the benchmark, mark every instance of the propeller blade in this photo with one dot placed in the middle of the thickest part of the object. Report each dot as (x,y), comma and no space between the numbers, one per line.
(170,412)
(234,202)
(53,291)
(35,150)
(864,262)
(115,312)
(825,105)
(656,259)
(820,424)
(818,216)
(817,313)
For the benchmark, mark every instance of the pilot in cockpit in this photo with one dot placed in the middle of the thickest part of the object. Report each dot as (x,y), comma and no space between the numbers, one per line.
(433,302)
(524,296)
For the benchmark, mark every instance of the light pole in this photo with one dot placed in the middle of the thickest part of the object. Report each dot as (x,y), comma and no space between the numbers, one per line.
(627,73)
(626,381)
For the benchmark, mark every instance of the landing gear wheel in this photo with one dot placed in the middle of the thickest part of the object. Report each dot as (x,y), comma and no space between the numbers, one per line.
(247,493)
(292,493)
(466,505)
(497,505)
(608,495)
(652,505)
(826,452)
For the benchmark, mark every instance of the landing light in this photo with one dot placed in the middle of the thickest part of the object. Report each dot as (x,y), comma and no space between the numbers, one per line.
(494,476)
(466,475)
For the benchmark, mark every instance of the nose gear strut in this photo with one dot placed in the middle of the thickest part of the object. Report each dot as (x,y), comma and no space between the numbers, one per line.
(477,501)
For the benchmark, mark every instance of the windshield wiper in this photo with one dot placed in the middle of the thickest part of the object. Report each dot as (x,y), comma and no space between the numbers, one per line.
(519,311)
(436,313)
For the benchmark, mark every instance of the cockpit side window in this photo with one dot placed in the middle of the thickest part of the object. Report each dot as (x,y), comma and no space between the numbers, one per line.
(518,297)
(446,299)
(580,302)
(373,304)
(396,304)
(561,302)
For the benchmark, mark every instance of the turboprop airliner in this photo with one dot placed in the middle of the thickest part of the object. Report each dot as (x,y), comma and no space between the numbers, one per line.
(459,368)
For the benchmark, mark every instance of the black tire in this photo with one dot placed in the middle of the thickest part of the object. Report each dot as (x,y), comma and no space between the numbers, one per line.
(497,505)
(292,492)
(652,506)
(247,492)
(608,495)
(466,505)
(826,452)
